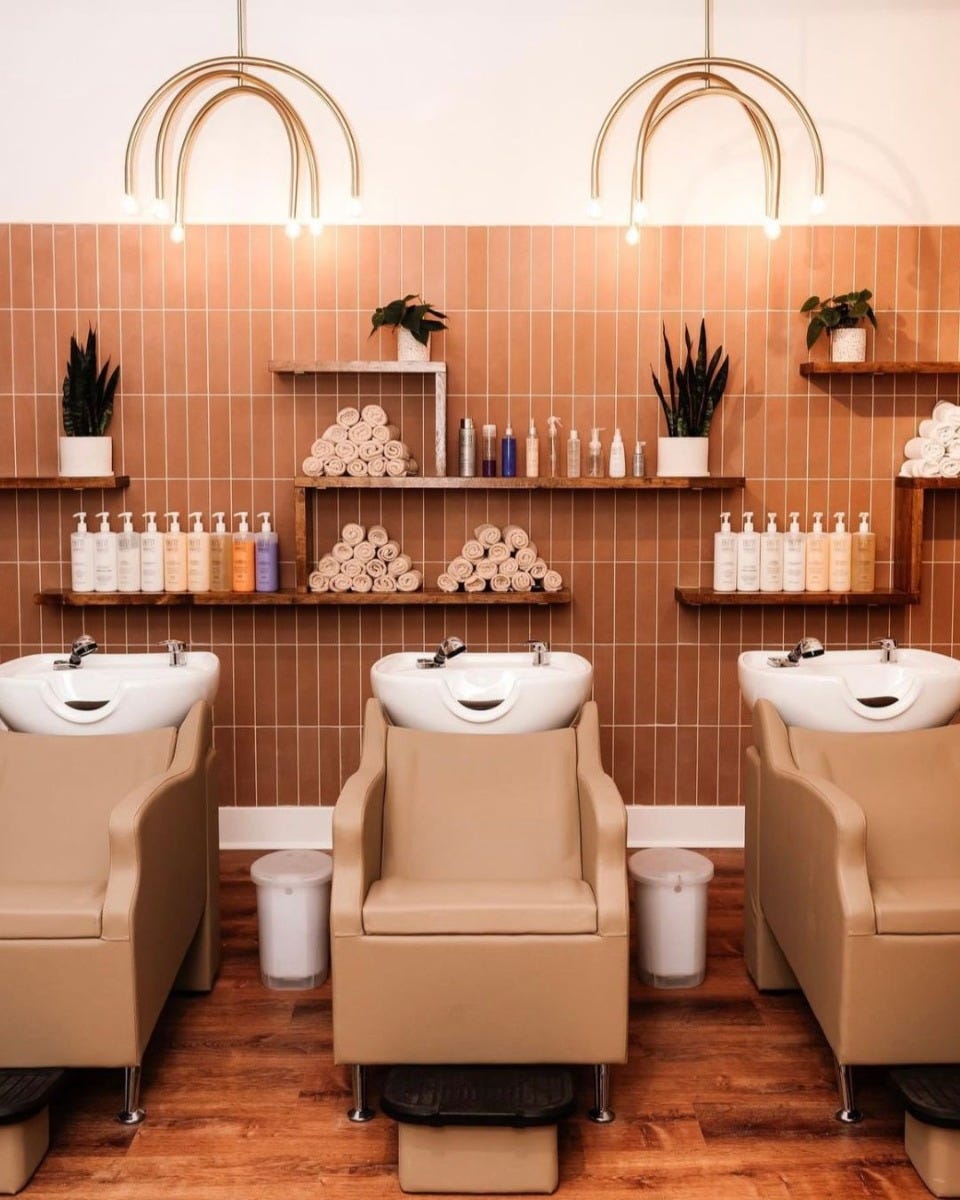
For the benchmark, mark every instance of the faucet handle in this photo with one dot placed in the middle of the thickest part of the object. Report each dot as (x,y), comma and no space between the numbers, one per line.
(538,642)
(176,648)
(541,651)
(886,642)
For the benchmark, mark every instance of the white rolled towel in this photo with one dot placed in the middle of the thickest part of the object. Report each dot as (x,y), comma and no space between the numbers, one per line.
(313,466)
(552,581)
(389,550)
(508,567)
(526,556)
(376,568)
(373,414)
(328,566)
(474,584)
(916,468)
(400,566)
(384,584)
(486,568)
(925,448)
(472,550)
(335,466)
(953,448)
(396,467)
(515,537)
(409,581)
(377,467)
(386,433)
(377,536)
(500,583)
(947,412)
(538,570)
(348,417)
(353,534)
(322,448)
(937,431)
(521,581)
(334,433)
(361,583)
(347,451)
(396,449)
(950,468)
(342,552)
(318,582)
(361,432)
(447,583)
(460,568)
(369,450)
(488,535)
(357,469)
(364,551)
(499,553)
(340,583)
(352,568)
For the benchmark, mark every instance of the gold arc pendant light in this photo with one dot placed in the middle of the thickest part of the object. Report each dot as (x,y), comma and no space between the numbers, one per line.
(701,72)
(234,73)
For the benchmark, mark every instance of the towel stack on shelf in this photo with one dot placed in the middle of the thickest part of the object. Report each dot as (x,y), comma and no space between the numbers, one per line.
(363,442)
(498,560)
(365,560)
(935,451)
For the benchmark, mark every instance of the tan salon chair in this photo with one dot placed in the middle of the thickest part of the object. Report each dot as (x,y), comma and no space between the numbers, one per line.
(856,846)
(108,892)
(479,909)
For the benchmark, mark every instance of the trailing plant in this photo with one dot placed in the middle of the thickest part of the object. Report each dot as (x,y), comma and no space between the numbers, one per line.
(696,387)
(837,312)
(404,314)
(87,392)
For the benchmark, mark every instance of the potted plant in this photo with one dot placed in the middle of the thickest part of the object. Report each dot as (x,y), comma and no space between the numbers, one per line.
(413,321)
(87,408)
(841,317)
(696,389)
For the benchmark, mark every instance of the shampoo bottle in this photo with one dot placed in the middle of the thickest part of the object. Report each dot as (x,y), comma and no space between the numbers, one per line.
(618,457)
(748,556)
(794,557)
(816,548)
(174,556)
(488,452)
(573,455)
(198,557)
(151,556)
(639,460)
(81,556)
(128,556)
(771,557)
(508,453)
(267,553)
(221,557)
(725,557)
(595,456)
(863,570)
(467,449)
(533,452)
(244,576)
(105,556)
(840,556)
(553,447)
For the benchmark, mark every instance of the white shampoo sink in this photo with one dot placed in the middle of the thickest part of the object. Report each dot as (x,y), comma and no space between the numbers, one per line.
(107,693)
(483,693)
(852,691)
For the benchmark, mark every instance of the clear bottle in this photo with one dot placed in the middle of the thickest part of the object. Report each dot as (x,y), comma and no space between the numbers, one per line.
(595,456)
(863,570)
(553,447)
(573,455)
(128,556)
(151,556)
(104,556)
(794,557)
(533,452)
(81,556)
(771,557)
(221,556)
(640,461)
(748,556)
(198,556)
(840,546)
(174,556)
(817,556)
(508,453)
(488,452)
(467,448)
(267,556)
(725,557)
(618,457)
(244,572)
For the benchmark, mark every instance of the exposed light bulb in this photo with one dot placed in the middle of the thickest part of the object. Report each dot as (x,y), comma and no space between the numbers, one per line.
(130,205)
(771,227)
(316,226)
(160,209)
(355,206)
(632,235)
(176,232)
(594,208)
(818,204)
(639,211)
(292,228)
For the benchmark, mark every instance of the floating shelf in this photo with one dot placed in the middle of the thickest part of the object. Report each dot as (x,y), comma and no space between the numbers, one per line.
(428,598)
(880,367)
(653,483)
(908,499)
(50,483)
(708,598)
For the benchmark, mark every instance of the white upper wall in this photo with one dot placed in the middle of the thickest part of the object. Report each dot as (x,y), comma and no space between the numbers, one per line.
(486,114)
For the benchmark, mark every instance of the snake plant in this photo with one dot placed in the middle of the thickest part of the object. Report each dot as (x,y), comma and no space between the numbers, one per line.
(87,392)
(696,388)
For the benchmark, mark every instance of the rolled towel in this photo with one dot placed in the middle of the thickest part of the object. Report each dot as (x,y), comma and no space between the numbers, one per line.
(313,466)
(328,566)
(389,550)
(500,583)
(361,432)
(472,550)
(335,466)
(377,536)
(322,448)
(357,468)
(474,584)
(395,449)
(384,584)
(333,433)
(409,581)
(364,551)
(413,467)
(460,568)
(538,570)
(340,583)
(508,567)
(953,448)
(353,534)
(352,568)
(947,412)
(361,583)
(515,537)
(950,468)
(937,431)
(341,552)
(373,414)
(396,467)
(318,582)
(447,583)
(369,450)
(347,417)
(488,535)
(486,568)
(499,553)
(526,556)
(521,581)
(376,568)
(377,467)
(400,565)
(386,433)
(918,469)
(925,448)
(346,450)
(552,581)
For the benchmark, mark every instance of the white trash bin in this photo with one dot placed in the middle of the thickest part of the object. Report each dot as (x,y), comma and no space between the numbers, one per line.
(293,916)
(671,901)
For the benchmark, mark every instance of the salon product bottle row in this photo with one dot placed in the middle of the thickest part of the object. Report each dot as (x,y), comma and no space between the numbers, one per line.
(794,561)
(174,561)
(571,467)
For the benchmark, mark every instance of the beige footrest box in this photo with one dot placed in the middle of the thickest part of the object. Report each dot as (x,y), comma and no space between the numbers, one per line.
(24,1124)
(478,1130)
(931,1132)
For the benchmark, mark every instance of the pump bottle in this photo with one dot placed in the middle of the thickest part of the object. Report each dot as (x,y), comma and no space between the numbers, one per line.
(508,453)
(618,457)
(151,556)
(817,556)
(81,556)
(533,452)
(553,447)
(748,556)
(244,576)
(128,556)
(174,556)
(595,456)
(573,455)
(198,556)
(105,556)
(840,556)
(771,557)
(267,554)
(725,557)
(221,557)
(794,557)
(639,460)
(863,571)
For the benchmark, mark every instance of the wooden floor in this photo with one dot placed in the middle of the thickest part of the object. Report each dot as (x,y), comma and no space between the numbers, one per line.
(727,1094)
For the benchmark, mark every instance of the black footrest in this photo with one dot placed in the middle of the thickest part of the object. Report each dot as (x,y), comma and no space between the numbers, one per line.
(931,1094)
(24,1092)
(511,1096)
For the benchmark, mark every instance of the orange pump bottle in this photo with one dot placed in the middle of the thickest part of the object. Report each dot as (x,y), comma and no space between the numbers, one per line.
(244,575)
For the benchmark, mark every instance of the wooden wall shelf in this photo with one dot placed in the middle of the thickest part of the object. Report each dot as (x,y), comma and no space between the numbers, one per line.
(880,367)
(908,499)
(708,598)
(427,598)
(653,483)
(50,483)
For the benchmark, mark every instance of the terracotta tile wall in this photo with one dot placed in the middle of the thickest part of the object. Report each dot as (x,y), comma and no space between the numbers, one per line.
(542,320)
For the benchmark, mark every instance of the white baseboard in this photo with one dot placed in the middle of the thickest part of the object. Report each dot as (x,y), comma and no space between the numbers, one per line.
(287,827)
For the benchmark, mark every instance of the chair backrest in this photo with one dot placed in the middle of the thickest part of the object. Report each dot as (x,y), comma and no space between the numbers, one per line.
(56,795)
(470,806)
(908,785)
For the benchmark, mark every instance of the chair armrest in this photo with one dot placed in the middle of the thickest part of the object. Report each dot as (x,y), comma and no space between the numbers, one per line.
(603,829)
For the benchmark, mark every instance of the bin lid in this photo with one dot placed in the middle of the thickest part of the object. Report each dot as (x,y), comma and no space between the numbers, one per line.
(516,1097)
(290,868)
(668,865)
(931,1094)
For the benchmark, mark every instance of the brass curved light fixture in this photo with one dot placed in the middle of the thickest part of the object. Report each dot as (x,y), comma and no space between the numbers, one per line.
(234,71)
(701,71)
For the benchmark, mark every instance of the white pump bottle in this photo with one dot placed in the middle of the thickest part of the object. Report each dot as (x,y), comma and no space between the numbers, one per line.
(151,556)
(794,557)
(725,557)
(128,556)
(105,556)
(771,557)
(198,556)
(748,556)
(81,556)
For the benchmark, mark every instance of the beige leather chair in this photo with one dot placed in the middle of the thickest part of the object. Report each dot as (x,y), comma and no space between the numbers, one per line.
(108,892)
(856,841)
(479,910)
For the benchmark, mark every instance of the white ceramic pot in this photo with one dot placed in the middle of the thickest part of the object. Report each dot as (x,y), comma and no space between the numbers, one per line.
(848,345)
(85,456)
(682,456)
(409,349)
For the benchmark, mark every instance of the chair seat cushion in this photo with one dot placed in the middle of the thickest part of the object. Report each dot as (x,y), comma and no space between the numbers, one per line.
(416,906)
(916,905)
(50,910)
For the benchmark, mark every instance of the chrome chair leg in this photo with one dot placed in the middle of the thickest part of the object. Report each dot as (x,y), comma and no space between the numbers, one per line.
(601,1112)
(848,1113)
(132,1113)
(360,1112)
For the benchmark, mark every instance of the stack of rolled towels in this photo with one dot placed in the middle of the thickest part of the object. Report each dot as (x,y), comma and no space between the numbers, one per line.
(365,560)
(362,442)
(935,451)
(499,560)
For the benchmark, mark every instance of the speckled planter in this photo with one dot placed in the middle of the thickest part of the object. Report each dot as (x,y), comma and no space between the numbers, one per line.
(409,349)
(848,345)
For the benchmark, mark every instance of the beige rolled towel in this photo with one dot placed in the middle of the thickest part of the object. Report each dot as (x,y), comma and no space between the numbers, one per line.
(486,568)
(333,433)
(386,433)
(364,551)
(460,568)
(539,569)
(950,468)
(361,432)
(938,431)
(413,467)
(396,449)
(376,568)
(507,567)
(521,581)
(552,581)
(515,537)
(409,581)
(361,583)
(346,450)
(400,565)
(328,566)
(357,469)
(313,466)
(377,536)
(348,417)
(389,550)
(472,550)
(368,450)
(373,414)
(377,467)
(953,448)
(353,534)
(342,552)
(488,535)
(384,584)
(352,568)
(500,583)
(499,553)
(526,556)
(474,584)
(335,466)
(396,467)
(447,583)
(318,583)
(322,448)
(340,583)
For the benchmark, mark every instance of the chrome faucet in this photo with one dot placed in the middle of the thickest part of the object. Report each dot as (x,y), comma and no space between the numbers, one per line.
(449,648)
(888,649)
(82,646)
(541,652)
(807,647)
(177,650)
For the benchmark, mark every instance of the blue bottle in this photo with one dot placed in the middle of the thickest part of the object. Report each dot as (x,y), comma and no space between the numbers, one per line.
(267,556)
(508,454)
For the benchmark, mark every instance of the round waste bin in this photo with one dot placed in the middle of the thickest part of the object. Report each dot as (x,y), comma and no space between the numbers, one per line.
(671,899)
(293,915)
